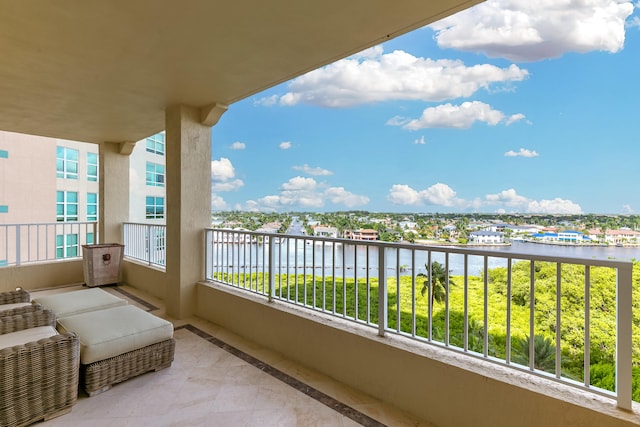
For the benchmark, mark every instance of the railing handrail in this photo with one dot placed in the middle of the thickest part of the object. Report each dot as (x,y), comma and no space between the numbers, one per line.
(229,260)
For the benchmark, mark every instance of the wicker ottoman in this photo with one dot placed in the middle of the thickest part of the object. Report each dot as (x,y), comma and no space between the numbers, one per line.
(76,302)
(119,343)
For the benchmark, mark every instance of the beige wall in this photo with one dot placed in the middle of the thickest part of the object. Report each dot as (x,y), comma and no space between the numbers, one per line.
(41,275)
(148,279)
(28,178)
(440,386)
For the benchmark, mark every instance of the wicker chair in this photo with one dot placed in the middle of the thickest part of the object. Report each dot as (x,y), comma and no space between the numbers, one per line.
(11,297)
(39,379)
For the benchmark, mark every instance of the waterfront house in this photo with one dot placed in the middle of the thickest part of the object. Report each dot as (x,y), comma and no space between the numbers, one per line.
(485,237)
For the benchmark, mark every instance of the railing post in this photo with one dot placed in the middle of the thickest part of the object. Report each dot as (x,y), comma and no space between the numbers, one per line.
(18,250)
(382,292)
(624,339)
(270,268)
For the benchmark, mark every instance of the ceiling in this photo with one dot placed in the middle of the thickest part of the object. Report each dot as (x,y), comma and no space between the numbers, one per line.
(106,70)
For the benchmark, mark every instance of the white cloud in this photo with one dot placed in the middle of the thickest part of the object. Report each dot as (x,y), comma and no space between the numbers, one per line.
(461,116)
(222,170)
(218,203)
(523,152)
(285,145)
(402,194)
(627,209)
(238,145)
(227,185)
(508,200)
(340,196)
(374,76)
(514,118)
(312,171)
(306,193)
(420,141)
(300,184)
(523,204)
(438,194)
(522,30)
(223,174)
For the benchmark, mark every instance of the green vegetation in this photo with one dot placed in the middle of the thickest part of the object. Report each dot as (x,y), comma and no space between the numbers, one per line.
(350,300)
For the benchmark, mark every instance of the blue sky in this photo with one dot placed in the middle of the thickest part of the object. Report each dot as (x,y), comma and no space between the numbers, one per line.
(509,107)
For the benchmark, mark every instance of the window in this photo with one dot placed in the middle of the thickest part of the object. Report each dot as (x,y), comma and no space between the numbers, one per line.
(155,174)
(66,206)
(90,239)
(66,245)
(4,209)
(154,207)
(66,163)
(4,154)
(155,144)
(92,167)
(92,206)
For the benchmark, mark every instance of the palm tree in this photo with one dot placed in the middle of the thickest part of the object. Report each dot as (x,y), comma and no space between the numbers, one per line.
(544,353)
(439,283)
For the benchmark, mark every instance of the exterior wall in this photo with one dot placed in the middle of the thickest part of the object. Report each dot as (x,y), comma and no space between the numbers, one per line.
(27,178)
(139,190)
(81,185)
(28,186)
(429,382)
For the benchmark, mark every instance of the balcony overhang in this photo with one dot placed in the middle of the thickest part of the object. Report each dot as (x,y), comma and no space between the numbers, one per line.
(106,71)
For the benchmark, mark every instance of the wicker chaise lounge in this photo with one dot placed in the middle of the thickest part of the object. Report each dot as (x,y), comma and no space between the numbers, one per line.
(39,378)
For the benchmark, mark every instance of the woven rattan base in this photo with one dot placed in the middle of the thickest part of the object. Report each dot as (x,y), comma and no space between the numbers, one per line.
(100,376)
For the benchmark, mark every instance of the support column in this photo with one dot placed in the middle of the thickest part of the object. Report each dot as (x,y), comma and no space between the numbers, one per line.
(114,191)
(188,205)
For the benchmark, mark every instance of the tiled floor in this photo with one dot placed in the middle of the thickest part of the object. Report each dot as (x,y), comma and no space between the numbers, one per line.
(218,379)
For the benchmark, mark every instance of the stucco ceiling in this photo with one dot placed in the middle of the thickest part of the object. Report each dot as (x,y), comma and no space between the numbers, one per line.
(105,70)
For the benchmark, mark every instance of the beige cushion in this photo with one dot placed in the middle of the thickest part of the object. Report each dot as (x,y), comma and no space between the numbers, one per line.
(26,335)
(71,303)
(4,307)
(114,331)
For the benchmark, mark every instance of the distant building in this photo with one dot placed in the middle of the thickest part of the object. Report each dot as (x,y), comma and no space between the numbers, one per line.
(325,231)
(362,234)
(486,237)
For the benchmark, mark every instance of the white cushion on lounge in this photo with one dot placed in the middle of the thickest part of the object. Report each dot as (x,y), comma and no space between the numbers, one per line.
(26,335)
(71,303)
(114,331)
(4,307)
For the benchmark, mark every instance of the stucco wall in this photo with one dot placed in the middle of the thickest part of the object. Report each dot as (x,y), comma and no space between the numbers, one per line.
(44,275)
(437,385)
(150,280)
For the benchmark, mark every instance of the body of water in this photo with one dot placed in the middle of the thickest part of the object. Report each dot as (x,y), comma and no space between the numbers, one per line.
(350,260)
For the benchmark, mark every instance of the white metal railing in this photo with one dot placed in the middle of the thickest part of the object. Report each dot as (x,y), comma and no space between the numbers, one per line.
(145,242)
(30,243)
(492,302)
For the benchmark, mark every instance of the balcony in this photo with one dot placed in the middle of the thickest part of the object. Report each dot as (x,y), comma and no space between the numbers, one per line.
(273,297)
(118,92)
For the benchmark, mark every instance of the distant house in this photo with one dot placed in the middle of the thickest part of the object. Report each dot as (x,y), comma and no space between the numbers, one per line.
(325,231)
(616,237)
(571,236)
(486,237)
(362,234)
(407,225)
(567,236)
